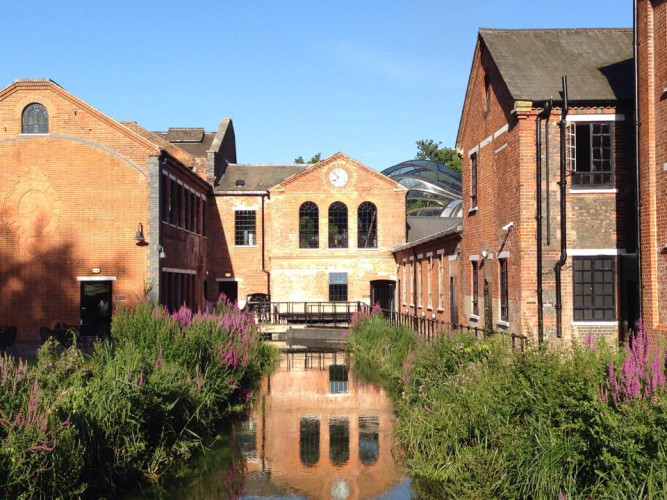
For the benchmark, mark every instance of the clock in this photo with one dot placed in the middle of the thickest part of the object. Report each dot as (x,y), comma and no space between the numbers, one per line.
(338,177)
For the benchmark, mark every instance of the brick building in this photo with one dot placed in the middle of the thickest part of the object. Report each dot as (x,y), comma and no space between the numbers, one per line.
(94,213)
(317,233)
(514,246)
(651,28)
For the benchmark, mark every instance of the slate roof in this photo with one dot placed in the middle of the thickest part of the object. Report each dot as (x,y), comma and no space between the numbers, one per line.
(256,177)
(185,157)
(421,227)
(598,62)
(193,140)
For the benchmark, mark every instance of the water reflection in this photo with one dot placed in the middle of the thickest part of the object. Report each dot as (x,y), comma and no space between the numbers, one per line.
(319,433)
(369,440)
(309,440)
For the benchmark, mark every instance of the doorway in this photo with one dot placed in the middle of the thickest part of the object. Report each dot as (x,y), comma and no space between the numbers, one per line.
(453,302)
(383,292)
(96,308)
(230,288)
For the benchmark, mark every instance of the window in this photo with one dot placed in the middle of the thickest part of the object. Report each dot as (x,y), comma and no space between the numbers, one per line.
(367,225)
(337,225)
(475,289)
(337,287)
(405,283)
(594,288)
(244,227)
(590,153)
(504,307)
(179,204)
(35,120)
(429,288)
(420,298)
(164,198)
(309,225)
(441,284)
(309,440)
(473,180)
(173,202)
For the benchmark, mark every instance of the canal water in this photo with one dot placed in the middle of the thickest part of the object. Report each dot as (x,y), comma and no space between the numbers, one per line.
(315,432)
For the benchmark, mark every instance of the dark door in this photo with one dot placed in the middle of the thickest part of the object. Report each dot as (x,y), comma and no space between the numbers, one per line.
(382,292)
(488,307)
(230,289)
(96,307)
(453,302)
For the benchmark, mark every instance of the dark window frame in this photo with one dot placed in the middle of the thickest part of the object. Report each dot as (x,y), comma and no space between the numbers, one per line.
(309,225)
(475,287)
(594,288)
(35,119)
(338,225)
(367,228)
(473,180)
(504,290)
(338,287)
(245,220)
(590,148)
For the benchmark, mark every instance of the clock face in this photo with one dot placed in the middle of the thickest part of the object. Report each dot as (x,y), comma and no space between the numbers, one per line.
(338,177)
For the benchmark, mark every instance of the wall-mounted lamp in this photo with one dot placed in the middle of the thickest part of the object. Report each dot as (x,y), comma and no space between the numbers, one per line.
(162,253)
(140,233)
(484,254)
(508,226)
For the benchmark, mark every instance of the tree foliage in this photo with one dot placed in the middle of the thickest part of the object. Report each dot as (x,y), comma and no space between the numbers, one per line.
(314,159)
(430,150)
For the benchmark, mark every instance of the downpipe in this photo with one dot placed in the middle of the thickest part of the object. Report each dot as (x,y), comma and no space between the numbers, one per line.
(562,183)
(544,114)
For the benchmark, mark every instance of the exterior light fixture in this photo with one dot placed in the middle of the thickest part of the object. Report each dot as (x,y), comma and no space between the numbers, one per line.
(485,254)
(140,234)
(161,251)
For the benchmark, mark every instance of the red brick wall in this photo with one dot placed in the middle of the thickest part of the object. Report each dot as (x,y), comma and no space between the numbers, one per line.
(652,61)
(71,201)
(303,274)
(438,259)
(503,136)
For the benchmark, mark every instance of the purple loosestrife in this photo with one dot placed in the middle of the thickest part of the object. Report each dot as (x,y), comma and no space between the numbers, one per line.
(642,373)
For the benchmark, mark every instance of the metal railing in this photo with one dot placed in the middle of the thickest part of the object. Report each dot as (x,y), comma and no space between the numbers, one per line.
(431,328)
(339,314)
(308,313)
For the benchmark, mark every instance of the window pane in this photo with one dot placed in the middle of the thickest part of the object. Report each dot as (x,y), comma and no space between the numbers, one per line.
(338,225)
(244,227)
(367,225)
(309,225)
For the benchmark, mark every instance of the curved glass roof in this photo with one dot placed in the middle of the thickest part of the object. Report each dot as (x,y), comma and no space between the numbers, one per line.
(434,189)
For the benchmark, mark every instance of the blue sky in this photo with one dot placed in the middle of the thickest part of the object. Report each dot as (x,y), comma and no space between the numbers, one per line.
(368,78)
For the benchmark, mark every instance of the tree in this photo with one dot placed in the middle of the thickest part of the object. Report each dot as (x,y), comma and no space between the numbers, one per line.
(430,150)
(316,157)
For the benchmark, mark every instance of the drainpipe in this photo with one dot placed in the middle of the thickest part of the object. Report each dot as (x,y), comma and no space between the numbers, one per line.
(546,111)
(563,214)
(638,200)
(547,171)
(264,269)
(414,288)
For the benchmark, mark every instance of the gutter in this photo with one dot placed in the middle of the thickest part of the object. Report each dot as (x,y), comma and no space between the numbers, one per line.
(242,193)
(545,113)
(562,183)
(638,200)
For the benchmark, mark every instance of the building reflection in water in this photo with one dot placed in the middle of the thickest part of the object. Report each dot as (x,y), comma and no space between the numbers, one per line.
(319,433)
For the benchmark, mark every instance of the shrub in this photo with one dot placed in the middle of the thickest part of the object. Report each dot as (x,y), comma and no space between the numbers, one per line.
(133,409)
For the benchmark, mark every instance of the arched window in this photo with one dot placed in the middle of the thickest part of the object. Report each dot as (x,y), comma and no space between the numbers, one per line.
(367,224)
(309,225)
(337,225)
(35,120)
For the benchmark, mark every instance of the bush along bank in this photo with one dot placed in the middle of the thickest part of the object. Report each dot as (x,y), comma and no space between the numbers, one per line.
(478,420)
(137,409)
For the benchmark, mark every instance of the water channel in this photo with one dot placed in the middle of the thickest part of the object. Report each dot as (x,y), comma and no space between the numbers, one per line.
(315,432)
